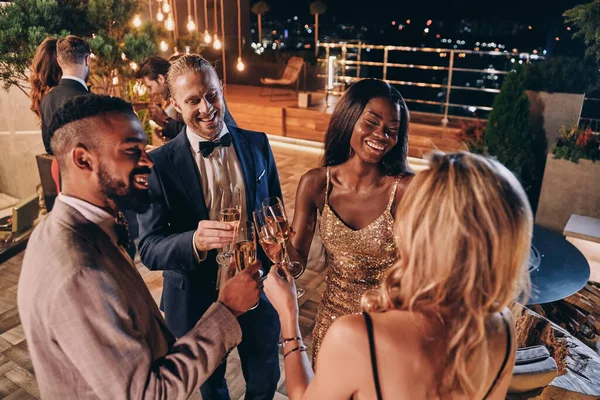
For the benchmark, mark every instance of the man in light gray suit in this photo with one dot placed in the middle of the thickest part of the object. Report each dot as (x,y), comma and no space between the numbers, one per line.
(92,327)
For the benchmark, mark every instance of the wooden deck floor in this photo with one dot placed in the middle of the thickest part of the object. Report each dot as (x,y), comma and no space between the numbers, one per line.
(281,116)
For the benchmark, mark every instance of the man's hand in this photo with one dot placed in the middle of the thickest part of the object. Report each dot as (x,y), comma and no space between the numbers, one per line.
(241,292)
(212,235)
(157,114)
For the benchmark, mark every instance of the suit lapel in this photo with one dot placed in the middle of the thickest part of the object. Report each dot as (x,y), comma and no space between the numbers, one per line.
(243,149)
(185,168)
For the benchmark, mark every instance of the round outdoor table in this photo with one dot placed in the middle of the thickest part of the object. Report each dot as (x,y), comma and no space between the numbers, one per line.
(556,267)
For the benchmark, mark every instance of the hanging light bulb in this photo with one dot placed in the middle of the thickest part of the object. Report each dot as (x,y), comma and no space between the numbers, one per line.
(170,23)
(137,21)
(166,7)
(191,25)
(217,43)
(240,64)
(123,57)
(164,46)
(115,81)
(187,49)
(207,38)
(133,65)
(160,17)
(142,90)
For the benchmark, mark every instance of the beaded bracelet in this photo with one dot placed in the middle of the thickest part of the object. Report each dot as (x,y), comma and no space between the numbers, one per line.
(284,341)
(299,348)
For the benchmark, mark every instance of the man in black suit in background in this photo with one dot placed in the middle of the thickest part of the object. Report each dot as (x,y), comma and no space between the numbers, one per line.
(73,54)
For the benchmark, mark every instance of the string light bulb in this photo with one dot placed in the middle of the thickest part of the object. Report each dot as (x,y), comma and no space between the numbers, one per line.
(207,37)
(160,17)
(170,23)
(164,46)
(137,21)
(191,25)
(240,64)
(166,7)
(133,65)
(217,43)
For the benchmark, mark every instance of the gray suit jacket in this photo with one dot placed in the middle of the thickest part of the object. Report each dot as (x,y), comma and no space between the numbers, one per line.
(92,327)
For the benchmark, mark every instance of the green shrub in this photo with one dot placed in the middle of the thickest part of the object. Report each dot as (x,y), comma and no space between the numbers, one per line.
(513,140)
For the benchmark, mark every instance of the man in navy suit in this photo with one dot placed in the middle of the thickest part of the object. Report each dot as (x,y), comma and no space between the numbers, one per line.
(73,56)
(181,231)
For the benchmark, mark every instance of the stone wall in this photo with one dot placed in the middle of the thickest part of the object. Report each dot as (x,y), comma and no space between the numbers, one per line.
(20,141)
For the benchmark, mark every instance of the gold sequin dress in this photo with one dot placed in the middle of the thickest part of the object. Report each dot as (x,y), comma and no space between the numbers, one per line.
(357,261)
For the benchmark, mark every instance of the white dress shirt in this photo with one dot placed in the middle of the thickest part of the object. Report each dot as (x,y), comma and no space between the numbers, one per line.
(74,78)
(221,168)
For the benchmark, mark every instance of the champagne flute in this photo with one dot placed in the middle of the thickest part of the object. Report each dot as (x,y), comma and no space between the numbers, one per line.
(275,209)
(270,236)
(244,247)
(231,211)
(272,239)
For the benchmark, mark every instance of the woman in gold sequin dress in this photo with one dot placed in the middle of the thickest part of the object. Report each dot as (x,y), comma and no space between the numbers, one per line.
(363,178)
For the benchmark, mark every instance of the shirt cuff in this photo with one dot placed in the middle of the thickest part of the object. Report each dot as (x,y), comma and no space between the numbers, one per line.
(199,255)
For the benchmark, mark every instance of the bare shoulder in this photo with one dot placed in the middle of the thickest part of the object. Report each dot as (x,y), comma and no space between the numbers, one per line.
(352,329)
(403,183)
(312,183)
(314,177)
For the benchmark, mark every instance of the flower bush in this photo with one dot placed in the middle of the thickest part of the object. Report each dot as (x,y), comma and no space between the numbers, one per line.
(576,143)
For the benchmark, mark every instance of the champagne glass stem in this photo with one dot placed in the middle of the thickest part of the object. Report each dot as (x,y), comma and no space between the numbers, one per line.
(284,253)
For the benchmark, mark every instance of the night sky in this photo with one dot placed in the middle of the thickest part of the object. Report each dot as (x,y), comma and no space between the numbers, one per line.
(527,11)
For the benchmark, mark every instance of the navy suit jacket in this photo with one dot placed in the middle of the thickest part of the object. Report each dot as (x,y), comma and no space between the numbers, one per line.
(178,204)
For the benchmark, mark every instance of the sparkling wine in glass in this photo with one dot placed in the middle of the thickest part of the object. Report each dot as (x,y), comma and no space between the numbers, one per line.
(273,231)
(244,247)
(230,211)
(270,236)
(276,212)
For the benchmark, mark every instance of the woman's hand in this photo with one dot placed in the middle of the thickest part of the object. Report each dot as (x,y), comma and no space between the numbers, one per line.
(280,289)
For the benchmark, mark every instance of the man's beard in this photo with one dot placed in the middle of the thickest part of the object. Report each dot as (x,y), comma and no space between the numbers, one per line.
(209,134)
(125,198)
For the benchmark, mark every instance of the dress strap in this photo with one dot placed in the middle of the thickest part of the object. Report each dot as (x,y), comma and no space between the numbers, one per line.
(328,174)
(393,195)
(369,324)
(506,355)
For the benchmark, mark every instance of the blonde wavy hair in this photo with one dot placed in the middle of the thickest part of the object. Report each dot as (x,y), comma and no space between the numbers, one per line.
(463,232)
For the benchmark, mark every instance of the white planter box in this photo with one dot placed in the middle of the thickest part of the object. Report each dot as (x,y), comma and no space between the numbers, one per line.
(554,110)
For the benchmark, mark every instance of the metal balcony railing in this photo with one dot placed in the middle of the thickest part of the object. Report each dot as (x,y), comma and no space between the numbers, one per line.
(344,61)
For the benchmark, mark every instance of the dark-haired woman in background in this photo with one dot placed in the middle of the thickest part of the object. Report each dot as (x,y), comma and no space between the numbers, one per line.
(45,75)
(364,176)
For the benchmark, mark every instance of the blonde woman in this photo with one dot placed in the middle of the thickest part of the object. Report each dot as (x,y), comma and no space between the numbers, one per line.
(440,327)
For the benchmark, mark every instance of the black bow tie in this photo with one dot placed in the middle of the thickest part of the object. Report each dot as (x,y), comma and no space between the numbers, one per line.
(122,229)
(206,148)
